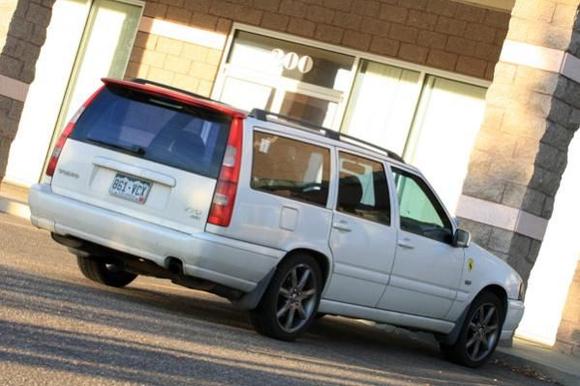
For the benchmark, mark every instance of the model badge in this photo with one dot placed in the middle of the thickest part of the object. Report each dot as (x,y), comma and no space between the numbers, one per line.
(194,213)
(68,173)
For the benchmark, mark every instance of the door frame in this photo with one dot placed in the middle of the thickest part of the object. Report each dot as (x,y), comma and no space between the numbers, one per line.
(401,232)
(60,120)
(393,226)
(280,85)
(358,57)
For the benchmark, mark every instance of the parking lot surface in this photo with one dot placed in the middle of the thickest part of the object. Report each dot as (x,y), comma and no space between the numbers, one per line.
(58,328)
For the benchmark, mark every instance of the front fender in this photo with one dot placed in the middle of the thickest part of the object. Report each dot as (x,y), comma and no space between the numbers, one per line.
(482,269)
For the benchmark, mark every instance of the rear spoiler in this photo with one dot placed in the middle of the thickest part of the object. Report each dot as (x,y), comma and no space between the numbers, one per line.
(175,94)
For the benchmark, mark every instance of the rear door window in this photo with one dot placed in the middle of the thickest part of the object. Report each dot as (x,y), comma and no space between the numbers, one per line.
(290,168)
(363,190)
(157,129)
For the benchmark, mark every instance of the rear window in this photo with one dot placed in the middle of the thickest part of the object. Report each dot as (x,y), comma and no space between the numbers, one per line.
(157,129)
(290,168)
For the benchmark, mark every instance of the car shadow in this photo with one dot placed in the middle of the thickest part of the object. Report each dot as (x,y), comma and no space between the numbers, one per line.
(203,323)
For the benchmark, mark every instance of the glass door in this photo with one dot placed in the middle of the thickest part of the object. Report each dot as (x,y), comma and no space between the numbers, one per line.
(246,94)
(382,105)
(303,82)
(104,51)
(308,108)
(429,120)
(443,134)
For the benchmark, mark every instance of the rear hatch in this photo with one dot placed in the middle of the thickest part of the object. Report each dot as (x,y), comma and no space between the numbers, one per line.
(146,152)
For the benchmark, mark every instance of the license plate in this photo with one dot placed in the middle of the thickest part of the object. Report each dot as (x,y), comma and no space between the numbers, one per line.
(130,188)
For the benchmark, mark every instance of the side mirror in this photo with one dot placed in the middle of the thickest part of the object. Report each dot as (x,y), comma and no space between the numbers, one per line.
(461,238)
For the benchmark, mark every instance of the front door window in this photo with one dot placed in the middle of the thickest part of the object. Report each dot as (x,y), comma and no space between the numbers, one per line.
(419,211)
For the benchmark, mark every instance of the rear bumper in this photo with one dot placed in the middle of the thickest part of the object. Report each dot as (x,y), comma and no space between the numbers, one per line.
(513,317)
(216,258)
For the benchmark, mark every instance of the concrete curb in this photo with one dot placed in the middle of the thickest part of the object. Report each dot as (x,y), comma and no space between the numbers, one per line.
(514,358)
(14,208)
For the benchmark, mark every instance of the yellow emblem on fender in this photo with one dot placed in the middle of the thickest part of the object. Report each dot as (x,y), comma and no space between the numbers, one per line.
(470,264)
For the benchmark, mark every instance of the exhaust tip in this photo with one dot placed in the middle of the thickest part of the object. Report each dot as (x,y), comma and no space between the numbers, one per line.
(175,266)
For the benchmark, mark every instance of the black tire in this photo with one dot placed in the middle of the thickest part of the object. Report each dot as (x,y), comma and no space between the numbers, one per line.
(284,297)
(104,272)
(481,325)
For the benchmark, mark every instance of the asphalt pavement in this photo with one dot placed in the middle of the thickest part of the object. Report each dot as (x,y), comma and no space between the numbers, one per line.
(58,328)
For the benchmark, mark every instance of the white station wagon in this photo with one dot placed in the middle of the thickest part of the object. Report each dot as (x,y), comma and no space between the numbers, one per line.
(285,220)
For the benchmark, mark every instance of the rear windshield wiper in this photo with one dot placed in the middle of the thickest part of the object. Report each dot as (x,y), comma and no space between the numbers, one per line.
(135,149)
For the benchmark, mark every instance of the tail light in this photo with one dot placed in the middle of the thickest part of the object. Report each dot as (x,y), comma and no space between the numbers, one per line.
(225,193)
(68,129)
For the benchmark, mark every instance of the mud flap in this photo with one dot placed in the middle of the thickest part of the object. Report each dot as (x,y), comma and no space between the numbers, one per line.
(250,300)
(452,337)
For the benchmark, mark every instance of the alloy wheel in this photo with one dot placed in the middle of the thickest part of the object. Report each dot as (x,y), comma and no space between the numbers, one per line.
(483,332)
(296,298)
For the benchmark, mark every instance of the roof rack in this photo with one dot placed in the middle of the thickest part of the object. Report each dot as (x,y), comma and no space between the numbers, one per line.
(263,115)
(153,83)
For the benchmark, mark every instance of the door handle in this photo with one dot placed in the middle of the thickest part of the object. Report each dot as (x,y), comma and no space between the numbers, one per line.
(341,226)
(406,243)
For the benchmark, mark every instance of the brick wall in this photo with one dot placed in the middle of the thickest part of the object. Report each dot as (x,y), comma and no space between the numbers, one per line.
(188,66)
(439,33)
(568,339)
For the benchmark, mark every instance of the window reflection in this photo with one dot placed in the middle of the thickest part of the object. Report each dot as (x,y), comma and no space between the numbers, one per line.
(304,108)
